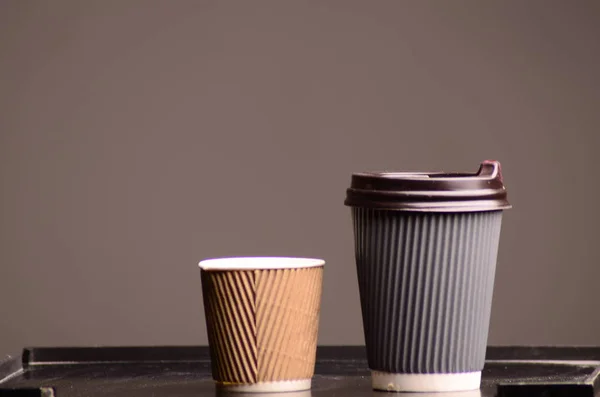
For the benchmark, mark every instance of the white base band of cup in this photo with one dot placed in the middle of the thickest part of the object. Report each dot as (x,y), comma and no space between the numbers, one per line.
(464,381)
(268,387)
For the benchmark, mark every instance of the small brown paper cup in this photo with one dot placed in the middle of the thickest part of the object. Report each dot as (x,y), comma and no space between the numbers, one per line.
(262,317)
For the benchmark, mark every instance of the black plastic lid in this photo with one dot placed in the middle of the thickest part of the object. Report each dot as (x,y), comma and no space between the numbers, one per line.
(430,192)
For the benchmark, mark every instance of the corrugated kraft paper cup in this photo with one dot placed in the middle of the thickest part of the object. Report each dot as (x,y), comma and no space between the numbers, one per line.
(426,247)
(262,317)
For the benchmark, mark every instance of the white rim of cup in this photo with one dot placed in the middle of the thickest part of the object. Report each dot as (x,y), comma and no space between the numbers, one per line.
(259,263)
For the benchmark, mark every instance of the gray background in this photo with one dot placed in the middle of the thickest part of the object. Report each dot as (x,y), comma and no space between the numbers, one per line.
(137,137)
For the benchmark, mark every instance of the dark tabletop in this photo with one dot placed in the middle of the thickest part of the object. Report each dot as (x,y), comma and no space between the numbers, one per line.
(340,371)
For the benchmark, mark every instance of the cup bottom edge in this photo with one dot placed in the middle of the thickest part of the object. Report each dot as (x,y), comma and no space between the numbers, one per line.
(267,387)
(443,382)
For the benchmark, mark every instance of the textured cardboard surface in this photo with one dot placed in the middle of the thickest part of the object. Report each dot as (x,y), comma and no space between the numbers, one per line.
(262,324)
(426,284)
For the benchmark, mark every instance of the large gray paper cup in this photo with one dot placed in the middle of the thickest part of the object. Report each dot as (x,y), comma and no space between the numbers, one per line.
(426,247)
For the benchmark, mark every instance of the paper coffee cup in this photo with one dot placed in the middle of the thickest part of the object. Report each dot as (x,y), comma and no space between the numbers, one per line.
(262,318)
(426,247)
